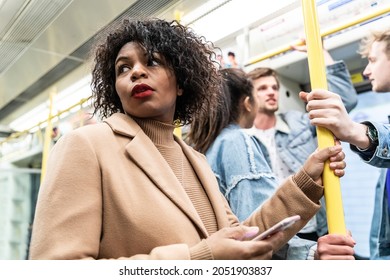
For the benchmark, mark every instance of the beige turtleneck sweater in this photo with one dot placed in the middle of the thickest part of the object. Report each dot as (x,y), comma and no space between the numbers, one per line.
(161,135)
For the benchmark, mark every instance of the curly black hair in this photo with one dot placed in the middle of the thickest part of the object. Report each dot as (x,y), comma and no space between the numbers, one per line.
(189,56)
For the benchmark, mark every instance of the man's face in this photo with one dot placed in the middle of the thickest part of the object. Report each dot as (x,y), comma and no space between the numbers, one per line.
(378,68)
(267,91)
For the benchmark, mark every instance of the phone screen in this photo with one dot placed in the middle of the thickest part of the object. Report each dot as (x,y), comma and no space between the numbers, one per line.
(282,225)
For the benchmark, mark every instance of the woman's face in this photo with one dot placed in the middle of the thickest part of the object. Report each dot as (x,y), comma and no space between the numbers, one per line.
(147,88)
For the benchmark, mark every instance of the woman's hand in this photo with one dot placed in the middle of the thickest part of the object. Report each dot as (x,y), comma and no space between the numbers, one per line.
(232,243)
(314,165)
(335,247)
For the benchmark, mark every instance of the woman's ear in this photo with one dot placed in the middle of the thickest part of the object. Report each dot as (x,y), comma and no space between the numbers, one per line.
(179,92)
(247,104)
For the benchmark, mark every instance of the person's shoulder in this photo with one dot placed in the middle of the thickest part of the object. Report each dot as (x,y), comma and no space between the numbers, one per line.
(294,116)
(92,133)
(229,140)
(232,136)
(91,130)
(237,141)
(295,119)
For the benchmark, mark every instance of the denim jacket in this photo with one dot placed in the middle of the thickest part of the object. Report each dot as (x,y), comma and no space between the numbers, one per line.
(380,224)
(296,138)
(381,156)
(246,180)
(339,81)
(243,175)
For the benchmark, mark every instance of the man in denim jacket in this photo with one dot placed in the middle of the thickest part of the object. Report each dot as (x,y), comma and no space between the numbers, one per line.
(370,140)
(287,139)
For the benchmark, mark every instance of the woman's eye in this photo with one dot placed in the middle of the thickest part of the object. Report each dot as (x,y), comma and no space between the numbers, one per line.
(153,62)
(123,68)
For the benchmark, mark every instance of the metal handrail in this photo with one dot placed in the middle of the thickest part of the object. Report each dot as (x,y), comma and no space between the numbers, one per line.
(328,32)
(26,131)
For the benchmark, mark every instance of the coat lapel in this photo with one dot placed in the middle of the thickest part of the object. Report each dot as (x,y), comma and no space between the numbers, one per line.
(208,181)
(145,154)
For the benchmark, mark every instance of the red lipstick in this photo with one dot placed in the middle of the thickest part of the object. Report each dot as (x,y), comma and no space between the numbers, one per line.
(141,91)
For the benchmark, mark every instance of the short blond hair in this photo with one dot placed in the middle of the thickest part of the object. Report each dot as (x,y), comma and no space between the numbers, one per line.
(376,36)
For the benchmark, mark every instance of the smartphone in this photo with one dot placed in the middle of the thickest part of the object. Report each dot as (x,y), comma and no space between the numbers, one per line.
(282,225)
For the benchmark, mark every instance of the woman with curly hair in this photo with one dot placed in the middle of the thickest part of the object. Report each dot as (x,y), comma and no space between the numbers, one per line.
(128,187)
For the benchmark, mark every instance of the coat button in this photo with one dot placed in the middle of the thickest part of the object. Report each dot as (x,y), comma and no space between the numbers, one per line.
(385,151)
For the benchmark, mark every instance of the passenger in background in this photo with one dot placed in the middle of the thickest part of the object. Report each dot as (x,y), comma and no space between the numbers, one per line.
(288,138)
(232,61)
(56,134)
(244,177)
(221,61)
(129,188)
(370,140)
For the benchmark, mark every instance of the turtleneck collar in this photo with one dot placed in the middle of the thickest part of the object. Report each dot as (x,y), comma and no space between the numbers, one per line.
(160,133)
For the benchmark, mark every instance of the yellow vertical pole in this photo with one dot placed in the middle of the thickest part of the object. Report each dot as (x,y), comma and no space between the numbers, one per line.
(333,200)
(177,131)
(47,139)
(178,15)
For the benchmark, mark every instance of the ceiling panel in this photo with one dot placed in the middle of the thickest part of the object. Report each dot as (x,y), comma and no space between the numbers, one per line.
(8,12)
(24,26)
(44,36)
(63,46)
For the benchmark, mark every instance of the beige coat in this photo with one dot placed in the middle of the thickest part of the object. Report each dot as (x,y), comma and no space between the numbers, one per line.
(108,193)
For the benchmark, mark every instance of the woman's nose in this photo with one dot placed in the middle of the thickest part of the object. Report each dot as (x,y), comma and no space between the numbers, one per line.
(138,71)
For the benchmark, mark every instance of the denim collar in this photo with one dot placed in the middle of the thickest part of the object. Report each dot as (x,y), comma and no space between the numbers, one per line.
(281,125)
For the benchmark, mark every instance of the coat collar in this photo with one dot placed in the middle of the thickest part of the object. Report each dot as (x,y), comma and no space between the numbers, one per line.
(281,125)
(123,125)
(145,154)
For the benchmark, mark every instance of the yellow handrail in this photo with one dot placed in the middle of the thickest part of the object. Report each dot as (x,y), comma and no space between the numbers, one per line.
(48,133)
(332,191)
(330,31)
(20,133)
